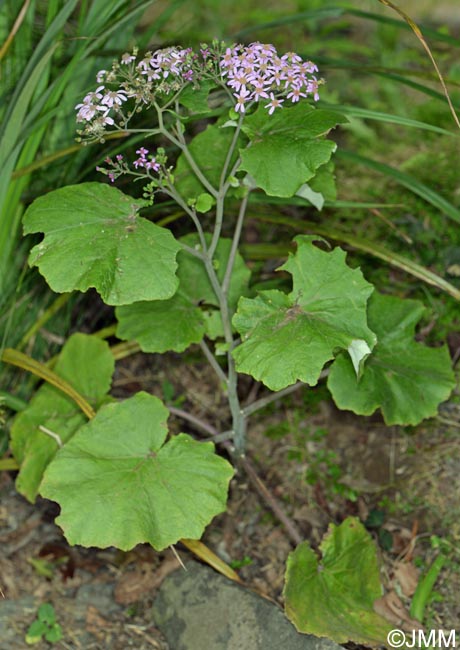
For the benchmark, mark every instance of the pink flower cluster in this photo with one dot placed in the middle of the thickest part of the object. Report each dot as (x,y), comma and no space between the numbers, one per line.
(164,71)
(119,166)
(170,61)
(256,72)
(253,73)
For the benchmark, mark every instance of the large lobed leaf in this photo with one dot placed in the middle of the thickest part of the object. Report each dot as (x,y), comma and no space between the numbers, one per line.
(287,148)
(184,319)
(119,484)
(405,379)
(95,238)
(334,596)
(85,362)
(286,338)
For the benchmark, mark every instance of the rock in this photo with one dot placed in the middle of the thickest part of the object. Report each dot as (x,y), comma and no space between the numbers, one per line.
(13,614)
(98,595)
(199,608)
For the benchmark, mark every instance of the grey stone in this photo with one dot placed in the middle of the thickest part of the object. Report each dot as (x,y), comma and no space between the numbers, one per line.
(99,595)
(200,609)
(13,614)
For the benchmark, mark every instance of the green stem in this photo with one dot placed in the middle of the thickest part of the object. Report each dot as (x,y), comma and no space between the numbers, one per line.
(192,251)
(171,191)
(424,589)
(181,144)
(235,243)
(264,401)
(230,152)
(223,188)
(213,362)
(238,419)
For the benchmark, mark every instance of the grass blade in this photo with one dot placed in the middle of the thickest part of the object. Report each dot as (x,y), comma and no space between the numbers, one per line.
(408,181)
(367,114)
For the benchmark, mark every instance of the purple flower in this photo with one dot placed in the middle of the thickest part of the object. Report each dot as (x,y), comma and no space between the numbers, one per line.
(241,99)
(295,95)
(114,97)
(127,58)
(273,103)
(257,72)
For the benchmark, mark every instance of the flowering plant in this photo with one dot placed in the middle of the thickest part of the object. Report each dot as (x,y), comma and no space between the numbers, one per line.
(262,135)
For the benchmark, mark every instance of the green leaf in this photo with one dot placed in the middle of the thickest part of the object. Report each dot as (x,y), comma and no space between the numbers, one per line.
(196,99)
(87,363)
(54,634)
(286,338)
(286,148)
(405,379)
(174,324)
(334,597)
(46,614)
(119,484)
(204,202)
(95,238)
(35,632)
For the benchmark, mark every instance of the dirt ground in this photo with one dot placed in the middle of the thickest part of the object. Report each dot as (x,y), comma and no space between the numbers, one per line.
(410,478)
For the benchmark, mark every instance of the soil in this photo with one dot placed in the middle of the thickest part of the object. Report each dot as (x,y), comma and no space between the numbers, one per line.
(404,481)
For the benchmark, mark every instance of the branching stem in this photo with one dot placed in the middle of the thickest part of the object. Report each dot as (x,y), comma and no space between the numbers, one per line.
(213,362)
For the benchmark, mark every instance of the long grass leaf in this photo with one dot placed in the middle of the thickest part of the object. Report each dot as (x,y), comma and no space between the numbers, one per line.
(415,28)
(406,180)
(294,200)
(21,360)
(17,24)
(315,14)
(435,34)
(367,114)
(46,43)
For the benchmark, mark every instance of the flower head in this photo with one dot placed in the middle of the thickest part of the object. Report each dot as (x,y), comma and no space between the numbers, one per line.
(257,72)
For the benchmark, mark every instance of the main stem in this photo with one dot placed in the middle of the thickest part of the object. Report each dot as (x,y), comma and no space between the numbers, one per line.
(221,291)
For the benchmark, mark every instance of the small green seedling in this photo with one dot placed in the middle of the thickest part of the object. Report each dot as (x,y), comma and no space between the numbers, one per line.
(44,626)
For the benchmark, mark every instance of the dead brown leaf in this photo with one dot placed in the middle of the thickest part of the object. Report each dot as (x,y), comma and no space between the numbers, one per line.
(133,585)
(392,609)
(96,624)
(407,576)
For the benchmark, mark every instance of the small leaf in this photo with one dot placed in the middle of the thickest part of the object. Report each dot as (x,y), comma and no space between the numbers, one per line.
(54,634)
(46,614)
(286,338)
(95,238)
(204,202)
(159,326)
(119,484)
(405,379)
(35,632)
(287,147)
(196,98)
(334,596)
(87,363)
